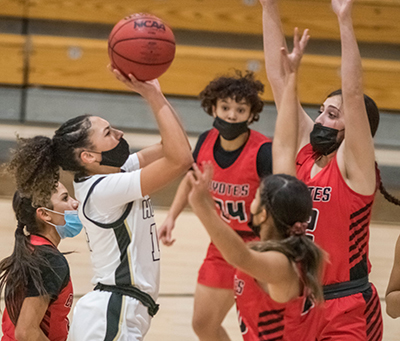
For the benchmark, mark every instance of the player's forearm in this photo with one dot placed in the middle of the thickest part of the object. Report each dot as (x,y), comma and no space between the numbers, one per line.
(180,200)
(351,68)
(274,39)
(284,148)
(227,241)
(176,147)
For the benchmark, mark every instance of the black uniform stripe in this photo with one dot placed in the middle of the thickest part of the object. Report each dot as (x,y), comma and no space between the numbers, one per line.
(270,325)
(361,210)
(271,321)
(113,316)
(271,312)
(373,318)
(123,273)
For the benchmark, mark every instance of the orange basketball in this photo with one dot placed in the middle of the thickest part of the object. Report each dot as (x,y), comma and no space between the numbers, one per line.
(142,45)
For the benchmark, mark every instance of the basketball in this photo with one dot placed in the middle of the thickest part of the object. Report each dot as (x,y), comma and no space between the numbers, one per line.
(142,45)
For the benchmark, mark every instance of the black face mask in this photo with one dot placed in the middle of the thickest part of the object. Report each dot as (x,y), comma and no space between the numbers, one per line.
(230,131)
(255,228)
(324,139)
(117,156)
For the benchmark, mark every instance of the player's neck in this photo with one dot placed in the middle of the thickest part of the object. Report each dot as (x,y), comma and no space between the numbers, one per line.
(231,145)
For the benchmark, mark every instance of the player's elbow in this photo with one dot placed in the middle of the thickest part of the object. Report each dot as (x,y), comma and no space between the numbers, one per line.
(392,307)
(185,161)
(22,334)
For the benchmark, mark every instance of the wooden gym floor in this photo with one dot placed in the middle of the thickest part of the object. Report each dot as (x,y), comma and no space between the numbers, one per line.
(179,270)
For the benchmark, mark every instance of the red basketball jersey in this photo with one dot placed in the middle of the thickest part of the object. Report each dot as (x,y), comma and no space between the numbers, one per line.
(340,220)
(55,323)
(234,188)
(261,318)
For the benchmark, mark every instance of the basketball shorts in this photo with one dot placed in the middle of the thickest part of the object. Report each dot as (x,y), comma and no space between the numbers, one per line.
(352,318)
(106,316)
(215,271)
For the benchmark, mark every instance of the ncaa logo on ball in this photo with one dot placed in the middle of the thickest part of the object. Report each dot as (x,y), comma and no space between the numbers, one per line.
(148,24)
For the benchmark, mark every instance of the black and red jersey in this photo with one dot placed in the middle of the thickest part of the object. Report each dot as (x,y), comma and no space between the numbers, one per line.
(340,221)
(263,319)
(233,188)
(56,279)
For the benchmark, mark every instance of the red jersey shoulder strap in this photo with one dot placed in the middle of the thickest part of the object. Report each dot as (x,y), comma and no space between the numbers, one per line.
(39,240)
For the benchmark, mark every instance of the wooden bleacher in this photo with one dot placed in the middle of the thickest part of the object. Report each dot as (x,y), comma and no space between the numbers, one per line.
(79,63)
(374,20)
(12,49)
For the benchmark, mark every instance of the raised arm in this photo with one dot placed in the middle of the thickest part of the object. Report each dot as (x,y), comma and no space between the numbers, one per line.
(176,154)
(356,157)
(274,41)
(267,267)
(285,146)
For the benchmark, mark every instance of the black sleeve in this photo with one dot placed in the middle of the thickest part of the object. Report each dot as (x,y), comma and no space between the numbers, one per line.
(55,274)
(199,143)
(264,160)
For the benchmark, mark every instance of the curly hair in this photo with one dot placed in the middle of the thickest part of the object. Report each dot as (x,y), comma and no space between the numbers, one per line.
(34,168)
(35,163)
(237,87)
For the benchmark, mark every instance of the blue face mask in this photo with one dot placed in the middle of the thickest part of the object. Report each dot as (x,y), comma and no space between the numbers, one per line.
(72,225)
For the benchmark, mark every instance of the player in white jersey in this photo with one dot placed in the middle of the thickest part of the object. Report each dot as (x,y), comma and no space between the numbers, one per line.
(116,211)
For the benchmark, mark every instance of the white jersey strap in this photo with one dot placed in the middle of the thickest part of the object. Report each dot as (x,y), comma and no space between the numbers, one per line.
(112,225)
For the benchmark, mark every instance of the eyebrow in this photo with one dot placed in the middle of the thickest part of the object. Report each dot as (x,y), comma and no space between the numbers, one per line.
(332,106)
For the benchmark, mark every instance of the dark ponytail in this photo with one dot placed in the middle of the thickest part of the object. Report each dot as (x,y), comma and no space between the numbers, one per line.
(288,201)
(24,263)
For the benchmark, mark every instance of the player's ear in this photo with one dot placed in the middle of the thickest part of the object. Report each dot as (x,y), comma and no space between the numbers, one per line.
(87,157)
(42,214)
(214,111)
(251,118)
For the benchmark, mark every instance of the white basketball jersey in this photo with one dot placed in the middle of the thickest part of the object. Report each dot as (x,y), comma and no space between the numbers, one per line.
(124,248)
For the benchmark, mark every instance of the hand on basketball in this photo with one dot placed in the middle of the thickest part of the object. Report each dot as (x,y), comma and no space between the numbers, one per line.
(291,61)
(143,88)
(200,182)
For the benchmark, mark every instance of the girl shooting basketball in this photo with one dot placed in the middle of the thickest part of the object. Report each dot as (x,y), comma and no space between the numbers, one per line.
(116,211)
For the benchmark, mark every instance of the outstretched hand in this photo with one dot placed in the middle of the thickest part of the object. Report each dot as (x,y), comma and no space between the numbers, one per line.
(291,61)
(200,181)
(142,88)
(342,8)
